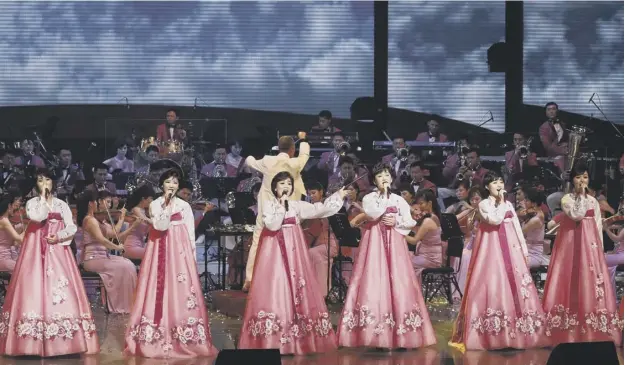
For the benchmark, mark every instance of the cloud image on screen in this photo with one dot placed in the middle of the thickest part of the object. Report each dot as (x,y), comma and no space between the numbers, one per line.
(277,56)
(572,50)
(438,59)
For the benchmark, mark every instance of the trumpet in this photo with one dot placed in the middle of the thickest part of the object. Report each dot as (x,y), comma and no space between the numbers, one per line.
(402,154)
(524,149)
(343,148)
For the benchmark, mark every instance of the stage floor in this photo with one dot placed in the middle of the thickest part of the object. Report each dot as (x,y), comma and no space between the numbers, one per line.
(225,332)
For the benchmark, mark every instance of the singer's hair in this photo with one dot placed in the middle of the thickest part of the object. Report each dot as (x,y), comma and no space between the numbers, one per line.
(381,167)
(82,206)
(285,143)
(428,196)
(44,172)
(579,168)
(281,176)
(142,192)
(6,202)
(167,174)
(491,176)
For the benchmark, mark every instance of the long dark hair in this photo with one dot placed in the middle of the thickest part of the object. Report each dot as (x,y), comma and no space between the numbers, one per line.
(82,207)
(6,201)
(143,192)
(428,196)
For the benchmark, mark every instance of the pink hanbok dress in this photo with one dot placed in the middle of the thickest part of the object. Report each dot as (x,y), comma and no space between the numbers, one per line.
(46,311)
(500,307)
(579,299)
(134,244)
(384,305)
(118,274)
(7,261)
(285,309)
(169,318)
(535,246)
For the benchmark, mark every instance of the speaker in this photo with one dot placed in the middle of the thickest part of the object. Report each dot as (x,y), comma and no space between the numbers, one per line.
(236,357)
(584,353)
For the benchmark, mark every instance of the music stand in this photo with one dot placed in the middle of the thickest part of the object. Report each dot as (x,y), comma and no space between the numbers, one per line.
(241,214)
(346,236)
(450,230)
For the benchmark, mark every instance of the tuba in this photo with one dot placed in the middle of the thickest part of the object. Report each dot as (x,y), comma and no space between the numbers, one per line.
(577,135)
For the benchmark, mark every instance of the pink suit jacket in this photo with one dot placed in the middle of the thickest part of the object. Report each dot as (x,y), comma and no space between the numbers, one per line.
(549,139)
(425,137)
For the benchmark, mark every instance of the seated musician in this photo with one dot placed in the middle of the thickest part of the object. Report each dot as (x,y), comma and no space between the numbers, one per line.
(356,217)
(67,174)
(152,155)
(234,159)
(100,173)
(317,232)
(517,160)
(236,261)
(532,221)
(138,203)
(395,158)
(28,157)
(347,174)
(418,180)
(452,162)
(118,274)
(429,247)
(8,180)
(9,236)
(218,167)
(185,192)
(324,123)
(167,131)
(521,198)
(462,194)
(553,135)
(120,162)
(245,185)
(433,134)
(329,161)
(472,171)
(596,190)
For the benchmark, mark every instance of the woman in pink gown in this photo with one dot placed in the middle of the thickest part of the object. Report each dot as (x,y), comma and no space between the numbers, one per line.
(429,250)
(139,202)
(169,318)
(46,311)
(579,299)
(285,310)
(534,228)
(384,307)
(8,235)
(118,274)
(471,222)
(500,307)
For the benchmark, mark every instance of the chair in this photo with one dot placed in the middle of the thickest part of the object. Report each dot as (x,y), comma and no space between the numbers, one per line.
(5,278)
(537,275)
(95,277)
(446,275)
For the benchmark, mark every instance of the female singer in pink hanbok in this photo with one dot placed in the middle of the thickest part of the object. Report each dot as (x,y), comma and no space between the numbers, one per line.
(8,235)
(285,310)
(139,202)
(579,299)
(384,307)
(169,318)
(118,274)
(500,307)
(46,311)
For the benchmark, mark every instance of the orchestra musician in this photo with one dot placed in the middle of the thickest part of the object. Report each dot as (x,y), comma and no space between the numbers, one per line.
(346,174)
(100,173)
(324,123)
(120,162)
(234,159)
(138,203)
(67,174)
(152,154)
(218,167)
(517,159)
(433,134)
(167,131)
(9,236)
(329,161)
(316,232)
(398,158)
(429,247)
(28,157)
(553,135)
(532,220)
(418,180)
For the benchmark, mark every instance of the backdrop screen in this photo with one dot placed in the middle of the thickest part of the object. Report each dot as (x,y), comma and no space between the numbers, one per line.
(572,50)
(437,59)
(278,56)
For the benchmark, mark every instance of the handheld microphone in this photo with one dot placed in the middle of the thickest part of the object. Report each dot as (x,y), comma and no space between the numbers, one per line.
(591,97)
(47,193)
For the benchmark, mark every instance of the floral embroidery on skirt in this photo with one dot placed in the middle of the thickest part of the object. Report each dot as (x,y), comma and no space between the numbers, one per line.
(58,326)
